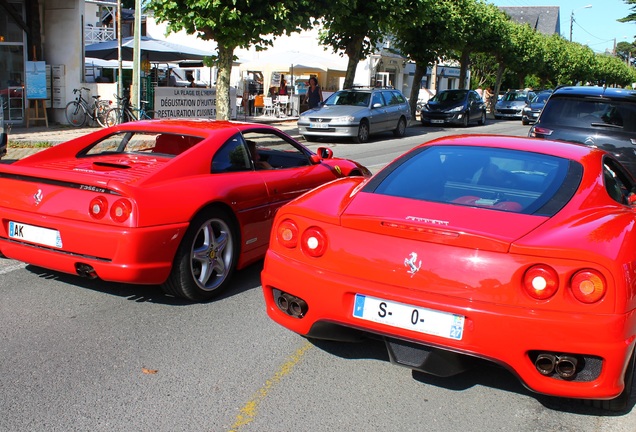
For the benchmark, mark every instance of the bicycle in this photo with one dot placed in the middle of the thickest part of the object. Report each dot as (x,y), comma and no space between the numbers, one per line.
(78,111)
(125,112)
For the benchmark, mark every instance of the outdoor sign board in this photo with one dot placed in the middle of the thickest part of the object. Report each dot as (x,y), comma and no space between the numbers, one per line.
(35,75)
(189,102)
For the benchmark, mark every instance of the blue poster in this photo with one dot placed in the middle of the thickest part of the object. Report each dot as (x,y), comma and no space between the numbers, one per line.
(35,80)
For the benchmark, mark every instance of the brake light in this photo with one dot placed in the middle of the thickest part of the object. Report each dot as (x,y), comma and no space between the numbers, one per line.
(541,282)
(314,242)
(98,207)
(287,233)
(588,286)
(537,130)
(121,210)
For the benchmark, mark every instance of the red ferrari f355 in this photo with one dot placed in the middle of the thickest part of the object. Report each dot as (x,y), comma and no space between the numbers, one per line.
(181,203)
(513,250)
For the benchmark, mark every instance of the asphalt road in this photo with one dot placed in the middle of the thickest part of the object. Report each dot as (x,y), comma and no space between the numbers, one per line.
(78,355)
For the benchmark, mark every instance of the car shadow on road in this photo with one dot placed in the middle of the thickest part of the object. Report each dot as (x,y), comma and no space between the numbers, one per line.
(243,280)
(482,373)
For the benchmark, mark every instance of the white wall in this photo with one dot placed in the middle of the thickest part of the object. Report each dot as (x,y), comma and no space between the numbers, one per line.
(63,45)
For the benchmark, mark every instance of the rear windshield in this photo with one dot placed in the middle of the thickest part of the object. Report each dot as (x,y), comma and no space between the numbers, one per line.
(160,144)
(499,179)
(587,113)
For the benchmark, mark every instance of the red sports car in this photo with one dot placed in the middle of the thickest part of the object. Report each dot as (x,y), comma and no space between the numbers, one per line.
(182,203)
(514,250)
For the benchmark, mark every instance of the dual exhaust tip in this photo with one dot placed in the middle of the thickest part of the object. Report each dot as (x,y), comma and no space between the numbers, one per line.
(291,305)
(563,365)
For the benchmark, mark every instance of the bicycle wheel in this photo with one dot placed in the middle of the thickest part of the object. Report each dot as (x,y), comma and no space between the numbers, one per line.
(101,109)
(149,115)
(76,114)
(113,117)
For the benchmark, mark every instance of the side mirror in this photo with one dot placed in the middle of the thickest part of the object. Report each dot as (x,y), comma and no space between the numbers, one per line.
(325,152)
(377,105)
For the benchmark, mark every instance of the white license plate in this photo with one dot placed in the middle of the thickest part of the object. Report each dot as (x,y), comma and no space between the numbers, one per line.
(437,121)
(409,317)
(34,234)
(319,125)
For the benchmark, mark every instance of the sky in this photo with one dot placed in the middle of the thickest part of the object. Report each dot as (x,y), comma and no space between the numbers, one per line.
(595,27)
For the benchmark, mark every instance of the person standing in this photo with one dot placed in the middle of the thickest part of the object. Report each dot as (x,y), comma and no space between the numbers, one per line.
(314,93)
(282,90)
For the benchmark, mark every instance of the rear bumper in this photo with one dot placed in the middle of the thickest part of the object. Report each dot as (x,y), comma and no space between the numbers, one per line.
(118,254)
(506,335)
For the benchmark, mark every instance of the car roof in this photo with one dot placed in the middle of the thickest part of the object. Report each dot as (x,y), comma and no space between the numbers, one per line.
(595,91)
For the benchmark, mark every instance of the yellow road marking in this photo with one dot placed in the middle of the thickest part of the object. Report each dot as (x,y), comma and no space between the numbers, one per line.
(248,412)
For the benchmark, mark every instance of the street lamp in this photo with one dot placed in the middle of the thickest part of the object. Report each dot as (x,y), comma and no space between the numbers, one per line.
(572,18)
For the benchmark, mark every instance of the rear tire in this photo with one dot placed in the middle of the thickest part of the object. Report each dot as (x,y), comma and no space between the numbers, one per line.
(206,258)
(363,132)
(76,114)
(113,117)
(100,113)
(482,119)
(400,130)
(149,115)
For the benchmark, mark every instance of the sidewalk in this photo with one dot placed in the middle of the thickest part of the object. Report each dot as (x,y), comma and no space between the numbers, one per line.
(25,141)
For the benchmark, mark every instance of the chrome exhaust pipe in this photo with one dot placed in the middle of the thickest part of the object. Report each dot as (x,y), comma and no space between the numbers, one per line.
(85,270)
(298,307)
(566,366)
(283,303)
(291,305)
(545,363)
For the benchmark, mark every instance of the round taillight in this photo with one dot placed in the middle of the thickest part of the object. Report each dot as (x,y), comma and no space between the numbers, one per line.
(314,242)
(588,286)
(287,233)
(541,282)
(120,211)
(98,207)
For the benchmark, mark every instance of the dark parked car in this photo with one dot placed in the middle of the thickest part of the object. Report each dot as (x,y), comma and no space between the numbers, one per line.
(533,108)
(458,107)
(512,103)
(3,133)
(594,116)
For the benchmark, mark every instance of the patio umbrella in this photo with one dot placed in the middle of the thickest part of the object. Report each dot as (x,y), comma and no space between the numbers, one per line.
(153,50)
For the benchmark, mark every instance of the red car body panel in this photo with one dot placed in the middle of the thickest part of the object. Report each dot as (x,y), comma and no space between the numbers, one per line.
(165,194)
(473,262)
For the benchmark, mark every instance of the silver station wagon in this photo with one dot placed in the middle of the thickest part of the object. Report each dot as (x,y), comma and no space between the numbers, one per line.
(357,113)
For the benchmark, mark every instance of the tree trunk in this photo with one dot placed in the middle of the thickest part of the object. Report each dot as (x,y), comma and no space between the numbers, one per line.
(420,70)
(500,71)
(354,52)
(463,71)
(225,59)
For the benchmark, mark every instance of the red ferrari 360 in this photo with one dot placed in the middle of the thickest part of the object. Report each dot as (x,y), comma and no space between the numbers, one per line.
(182,203)
(513,250)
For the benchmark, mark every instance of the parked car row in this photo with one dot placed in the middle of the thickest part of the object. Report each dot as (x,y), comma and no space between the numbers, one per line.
(515,250)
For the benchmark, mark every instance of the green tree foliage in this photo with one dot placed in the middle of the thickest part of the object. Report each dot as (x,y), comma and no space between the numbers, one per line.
(356,27)
(426,36)
(626,51)
(632,16)
(234,24)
